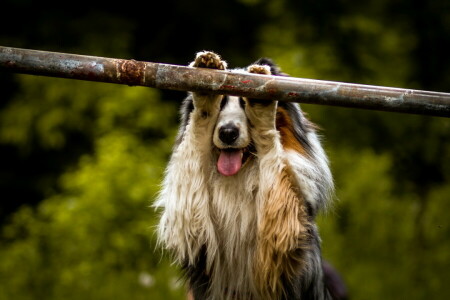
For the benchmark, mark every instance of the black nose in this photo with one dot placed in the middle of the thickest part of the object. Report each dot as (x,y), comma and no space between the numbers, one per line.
(228,133)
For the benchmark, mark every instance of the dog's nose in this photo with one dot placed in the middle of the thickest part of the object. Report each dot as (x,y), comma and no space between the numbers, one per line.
(228,133)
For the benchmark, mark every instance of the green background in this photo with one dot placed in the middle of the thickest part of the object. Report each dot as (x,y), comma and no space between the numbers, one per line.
(81,162)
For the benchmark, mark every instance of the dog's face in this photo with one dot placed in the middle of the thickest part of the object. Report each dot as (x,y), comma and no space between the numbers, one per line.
(231,136)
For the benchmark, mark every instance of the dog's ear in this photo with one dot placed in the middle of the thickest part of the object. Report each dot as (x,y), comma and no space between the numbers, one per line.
(274,69)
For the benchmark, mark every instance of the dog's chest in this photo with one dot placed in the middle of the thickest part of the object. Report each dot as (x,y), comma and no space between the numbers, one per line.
(234,205)
(234,212)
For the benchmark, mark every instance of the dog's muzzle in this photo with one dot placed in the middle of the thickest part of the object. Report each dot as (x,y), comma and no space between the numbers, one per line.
(230,159)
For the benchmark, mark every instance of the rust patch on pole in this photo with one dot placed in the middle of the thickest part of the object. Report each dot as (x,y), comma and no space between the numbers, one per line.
(131,72)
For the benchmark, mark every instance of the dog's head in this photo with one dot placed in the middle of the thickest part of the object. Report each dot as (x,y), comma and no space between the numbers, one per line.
(232,136)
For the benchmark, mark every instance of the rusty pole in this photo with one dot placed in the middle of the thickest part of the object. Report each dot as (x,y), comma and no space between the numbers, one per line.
(163,76)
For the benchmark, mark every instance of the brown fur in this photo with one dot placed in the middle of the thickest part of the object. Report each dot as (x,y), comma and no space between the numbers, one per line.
(286,129)
(282,231)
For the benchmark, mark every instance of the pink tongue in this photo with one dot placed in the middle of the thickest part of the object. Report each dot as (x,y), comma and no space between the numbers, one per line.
(229,162)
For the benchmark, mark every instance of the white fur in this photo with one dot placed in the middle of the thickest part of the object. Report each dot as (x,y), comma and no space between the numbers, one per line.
(234,114)
(312,173)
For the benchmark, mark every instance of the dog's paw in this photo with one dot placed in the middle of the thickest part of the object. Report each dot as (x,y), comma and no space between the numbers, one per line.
(263,70)
(259,69)
(207,104)
(261,112)
(210,60)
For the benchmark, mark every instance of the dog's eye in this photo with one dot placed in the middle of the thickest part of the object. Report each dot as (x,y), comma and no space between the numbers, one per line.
(242,102)
(224,102)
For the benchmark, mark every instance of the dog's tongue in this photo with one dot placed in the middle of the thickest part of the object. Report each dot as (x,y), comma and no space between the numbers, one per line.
(229,162)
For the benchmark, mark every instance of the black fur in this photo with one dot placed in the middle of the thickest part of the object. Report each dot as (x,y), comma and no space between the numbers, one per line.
(300,288)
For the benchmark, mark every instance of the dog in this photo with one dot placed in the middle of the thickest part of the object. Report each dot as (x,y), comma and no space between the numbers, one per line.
(241,191)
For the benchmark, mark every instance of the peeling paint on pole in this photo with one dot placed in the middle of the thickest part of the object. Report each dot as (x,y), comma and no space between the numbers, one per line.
(163,76)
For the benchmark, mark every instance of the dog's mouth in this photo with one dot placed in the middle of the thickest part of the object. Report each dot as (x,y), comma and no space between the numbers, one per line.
(231,160)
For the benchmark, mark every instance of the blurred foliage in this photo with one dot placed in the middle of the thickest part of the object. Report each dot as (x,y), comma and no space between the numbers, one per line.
(81,162)
(92,240)
(385,243)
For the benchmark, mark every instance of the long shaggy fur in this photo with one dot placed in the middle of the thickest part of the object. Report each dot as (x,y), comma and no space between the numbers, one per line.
(250,235)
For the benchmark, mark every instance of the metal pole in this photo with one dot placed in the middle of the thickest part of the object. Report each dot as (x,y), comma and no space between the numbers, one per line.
(163,76)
